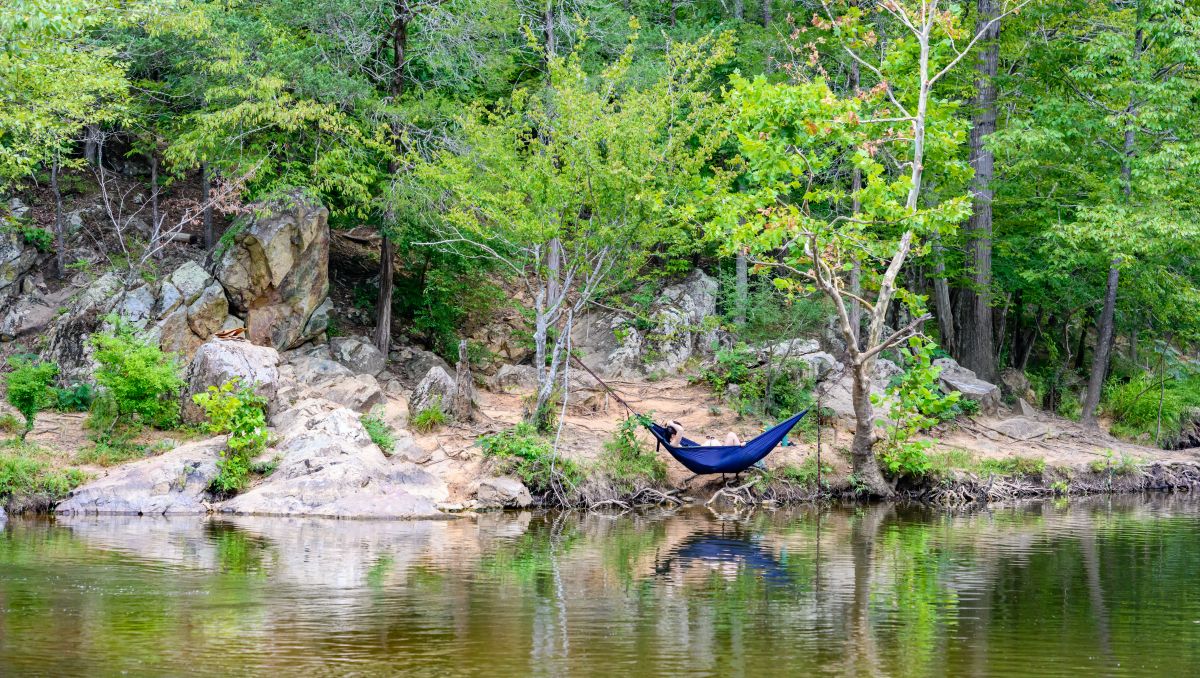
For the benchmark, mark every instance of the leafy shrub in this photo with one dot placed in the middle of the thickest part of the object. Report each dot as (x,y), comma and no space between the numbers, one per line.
(235,409)
(77,398)
(521,450)
(916,404)
(777,392)
(36,237)
(9,423)
(1134,407)
(381,434)
(28,387)
(429,419)
(1117,465)
(142,380)
(625,459)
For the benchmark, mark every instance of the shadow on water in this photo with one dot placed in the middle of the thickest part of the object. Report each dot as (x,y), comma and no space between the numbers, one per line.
(1102,586)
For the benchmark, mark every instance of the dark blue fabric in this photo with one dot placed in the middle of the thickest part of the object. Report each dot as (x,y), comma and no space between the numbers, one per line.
(725,458)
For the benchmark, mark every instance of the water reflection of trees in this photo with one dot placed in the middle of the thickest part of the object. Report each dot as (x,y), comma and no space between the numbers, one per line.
(870,590)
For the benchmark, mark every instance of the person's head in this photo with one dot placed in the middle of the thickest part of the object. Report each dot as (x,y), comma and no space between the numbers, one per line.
(673,428)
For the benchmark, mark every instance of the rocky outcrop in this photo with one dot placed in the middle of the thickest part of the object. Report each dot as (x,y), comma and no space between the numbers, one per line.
(312,373)
(681,325)
(218,361)
(838,389)
(1014,384)
(955,377)
(175,483)
(358,355)
(328,467)
(817,364)
(276,273)
(502,492)
(412,363)
(514,379)
(16,259)
(67,339)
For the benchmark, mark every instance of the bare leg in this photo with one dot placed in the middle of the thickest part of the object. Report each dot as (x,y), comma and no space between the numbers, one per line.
(732,438)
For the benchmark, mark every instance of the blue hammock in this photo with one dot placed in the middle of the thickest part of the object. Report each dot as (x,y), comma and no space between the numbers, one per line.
(725,458)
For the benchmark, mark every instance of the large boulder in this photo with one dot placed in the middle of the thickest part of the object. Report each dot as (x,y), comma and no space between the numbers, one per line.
(502,492)
(838,388)
(437,388)
(328,467)
(28,315)
(276,273)
(175,483)
(1014,384)
(681,325)
(16,259)
(514,378)
(412,363)
(955,377)
(358,355)
(219,360)
(312,373)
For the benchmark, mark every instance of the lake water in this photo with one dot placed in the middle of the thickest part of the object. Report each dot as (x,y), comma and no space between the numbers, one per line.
(1092,587)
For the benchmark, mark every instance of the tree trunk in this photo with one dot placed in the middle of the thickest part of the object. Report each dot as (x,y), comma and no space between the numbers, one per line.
(383,305)
(1104,336)
(674,10)
(739,9)
(766,13)
(60,236)
(1081,345)
(862,452)
(741,288)
(941,297)
(855,208)
(91,145)
(548,29)
(976,350)
(1105,329)
(155,220)
(462,404)
(205,191)
(553,268)
(387,248)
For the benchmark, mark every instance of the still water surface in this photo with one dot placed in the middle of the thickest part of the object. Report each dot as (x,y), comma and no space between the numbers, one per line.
(1086,587)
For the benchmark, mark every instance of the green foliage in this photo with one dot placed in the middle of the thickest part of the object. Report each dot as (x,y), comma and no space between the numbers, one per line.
(626,461)
(107,451)
(23,475)
(381,434)
(143,382)
(39,238)
(10,424)
(916,405)
(772,390)
(429,419)
(77,398)
(523,451)
(235,409)
(1013,466)
(1134,407)
(28,388)
(1122,465)
(803,475)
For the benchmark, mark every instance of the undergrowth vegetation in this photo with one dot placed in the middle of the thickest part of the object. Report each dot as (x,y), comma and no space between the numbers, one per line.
(140,383)
(28,388)
(235,408)
(381,434)
(429,419)
(1155,409)
(27,476)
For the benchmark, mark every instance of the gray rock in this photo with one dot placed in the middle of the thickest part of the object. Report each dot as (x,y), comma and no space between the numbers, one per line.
(502,492)
(1025,409)
(312,370)
(612,344)
(412,363)
(67,337)
(330,468)
(514,378)
(276,274)
(73,222)
(1021,428)
(955,377)
(174,483)
(28,316)
(169,299)
(839,394)
(191,280)
(357,354)
(318,322)
(18,209)
(359,392)
(16,258)
(437,387)
(136,307)
(1014,384)
(217,361)
(208,312)
(408,450)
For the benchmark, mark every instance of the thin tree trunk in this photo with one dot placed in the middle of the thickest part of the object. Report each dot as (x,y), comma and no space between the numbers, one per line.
(548,29)
(741,288)
(855,208)
(553,268)
(674,10)
(1081,345)
(739,9)
(60,236)
(1105,329)
(91,145)
(462,404)
(941,297)
(1104,336)
(766,13)
(976,350)
(155,220)
(383,304)
(387,248)
(205,191)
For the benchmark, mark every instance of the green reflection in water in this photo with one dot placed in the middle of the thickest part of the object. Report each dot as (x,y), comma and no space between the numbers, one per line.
(1102,587)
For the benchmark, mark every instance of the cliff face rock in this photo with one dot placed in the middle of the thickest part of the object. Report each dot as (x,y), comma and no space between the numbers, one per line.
(679,325)
(276,273)
(330,468)
(16,258)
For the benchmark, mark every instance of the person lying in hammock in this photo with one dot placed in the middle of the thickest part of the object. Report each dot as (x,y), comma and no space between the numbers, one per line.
(676,435)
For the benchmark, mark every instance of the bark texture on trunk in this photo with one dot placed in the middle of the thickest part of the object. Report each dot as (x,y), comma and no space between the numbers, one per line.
(766,13)
(205,191)
(739,9)
(941,297)
(975,349)
(462,405)
(866,467)
(387,248)
(383,305)
(60,236)
(741,287)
